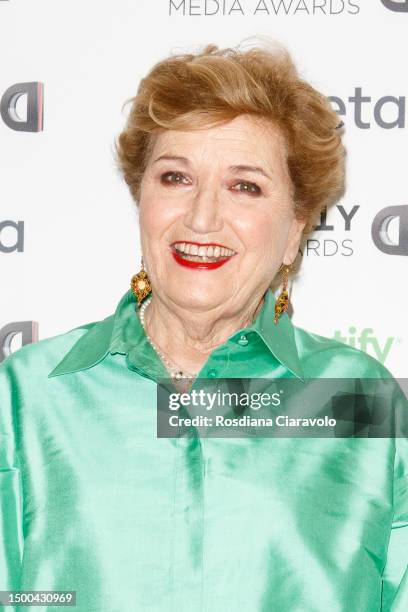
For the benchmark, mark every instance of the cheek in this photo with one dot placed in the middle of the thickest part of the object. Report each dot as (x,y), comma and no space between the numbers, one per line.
(262,232)
(155,214)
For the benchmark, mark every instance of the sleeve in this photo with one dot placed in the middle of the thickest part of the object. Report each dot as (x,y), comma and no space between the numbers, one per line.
(395,575)
(11,528)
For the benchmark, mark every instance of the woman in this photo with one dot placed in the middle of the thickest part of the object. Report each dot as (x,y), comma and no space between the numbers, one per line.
(229,156)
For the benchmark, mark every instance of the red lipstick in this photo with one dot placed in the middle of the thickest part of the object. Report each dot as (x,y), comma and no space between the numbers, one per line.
(200,265)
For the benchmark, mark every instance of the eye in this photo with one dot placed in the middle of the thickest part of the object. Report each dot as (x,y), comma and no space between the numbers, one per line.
(252,188)
(172,178)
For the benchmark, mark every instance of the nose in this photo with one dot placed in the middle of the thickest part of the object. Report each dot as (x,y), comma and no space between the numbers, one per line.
(204,214)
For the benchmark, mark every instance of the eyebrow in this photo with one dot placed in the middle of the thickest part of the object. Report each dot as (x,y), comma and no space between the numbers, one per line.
(245,168)
(173,157)
(234,168)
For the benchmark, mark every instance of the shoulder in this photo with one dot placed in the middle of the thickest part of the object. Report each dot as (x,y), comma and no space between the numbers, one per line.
(326,357)
(323,357)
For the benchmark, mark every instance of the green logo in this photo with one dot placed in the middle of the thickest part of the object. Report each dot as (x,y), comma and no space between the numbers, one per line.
(367,342)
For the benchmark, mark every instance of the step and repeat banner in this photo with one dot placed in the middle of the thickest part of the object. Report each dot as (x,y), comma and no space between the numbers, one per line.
(69,238)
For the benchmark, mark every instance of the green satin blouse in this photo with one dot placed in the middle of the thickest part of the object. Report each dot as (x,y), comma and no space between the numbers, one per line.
(91,500)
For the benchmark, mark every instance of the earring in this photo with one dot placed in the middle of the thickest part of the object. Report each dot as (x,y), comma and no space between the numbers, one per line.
(282,302)
(140,284)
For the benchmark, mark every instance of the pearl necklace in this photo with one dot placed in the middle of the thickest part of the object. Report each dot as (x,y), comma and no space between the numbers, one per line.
(175,372)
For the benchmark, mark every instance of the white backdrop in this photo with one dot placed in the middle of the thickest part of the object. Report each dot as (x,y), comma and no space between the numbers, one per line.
(78,234)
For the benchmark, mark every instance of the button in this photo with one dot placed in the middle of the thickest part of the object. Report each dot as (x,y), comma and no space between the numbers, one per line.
(243,340)
(212,373)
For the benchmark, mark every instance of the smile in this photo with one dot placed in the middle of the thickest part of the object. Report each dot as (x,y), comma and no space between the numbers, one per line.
(196,255)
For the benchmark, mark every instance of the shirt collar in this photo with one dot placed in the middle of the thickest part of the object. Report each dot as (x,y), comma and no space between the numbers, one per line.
(279,338)
(123,333)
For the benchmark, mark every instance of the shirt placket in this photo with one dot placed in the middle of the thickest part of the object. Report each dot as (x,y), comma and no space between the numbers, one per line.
(187,550)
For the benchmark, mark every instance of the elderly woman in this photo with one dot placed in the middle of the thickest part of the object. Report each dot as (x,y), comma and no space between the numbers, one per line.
(229,156)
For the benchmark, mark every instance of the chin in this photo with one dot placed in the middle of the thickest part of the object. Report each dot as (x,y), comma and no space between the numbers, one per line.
(199,299)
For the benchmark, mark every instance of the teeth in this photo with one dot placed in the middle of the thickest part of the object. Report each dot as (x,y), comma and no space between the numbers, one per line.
(203,251)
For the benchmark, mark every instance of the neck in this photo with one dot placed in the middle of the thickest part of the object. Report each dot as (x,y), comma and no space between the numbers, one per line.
(188,337)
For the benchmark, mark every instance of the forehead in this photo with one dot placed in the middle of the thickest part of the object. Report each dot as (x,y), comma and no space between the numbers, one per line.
(242,139)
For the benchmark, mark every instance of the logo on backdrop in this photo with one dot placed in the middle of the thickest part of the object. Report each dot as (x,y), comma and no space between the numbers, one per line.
(328,247)
(400,6)
(28,331)
(380,230)
(367,341)
(15,229)
(34,107)
(342,219)
(207,8)
(365,111)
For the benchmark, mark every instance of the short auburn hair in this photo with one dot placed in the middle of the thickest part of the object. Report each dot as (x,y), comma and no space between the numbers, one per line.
(191,91)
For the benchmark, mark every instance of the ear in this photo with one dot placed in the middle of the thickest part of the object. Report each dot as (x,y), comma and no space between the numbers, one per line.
(293,241)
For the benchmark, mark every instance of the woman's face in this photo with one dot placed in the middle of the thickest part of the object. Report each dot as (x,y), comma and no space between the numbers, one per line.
(225,186)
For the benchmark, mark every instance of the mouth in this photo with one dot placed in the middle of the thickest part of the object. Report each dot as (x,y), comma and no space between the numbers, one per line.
(201,255)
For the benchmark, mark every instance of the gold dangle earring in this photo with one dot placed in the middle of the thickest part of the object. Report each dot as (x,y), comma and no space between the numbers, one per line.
(140,284)
(282,302)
